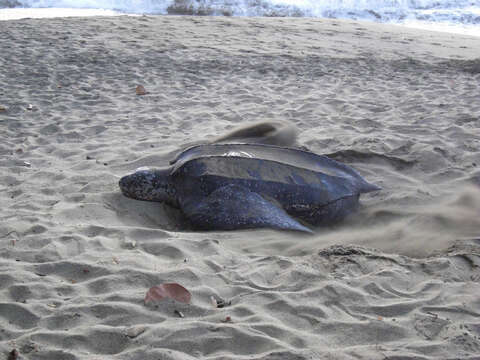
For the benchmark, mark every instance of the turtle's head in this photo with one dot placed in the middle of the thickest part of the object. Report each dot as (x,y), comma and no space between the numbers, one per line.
(149,185)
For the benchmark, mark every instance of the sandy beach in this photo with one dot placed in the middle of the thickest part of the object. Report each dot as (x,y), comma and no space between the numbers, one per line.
(400,279)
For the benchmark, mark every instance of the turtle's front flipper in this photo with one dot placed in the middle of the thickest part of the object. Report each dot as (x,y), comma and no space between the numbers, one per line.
(235,207)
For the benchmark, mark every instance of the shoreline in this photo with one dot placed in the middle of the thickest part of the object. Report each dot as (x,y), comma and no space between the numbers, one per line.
(7,14)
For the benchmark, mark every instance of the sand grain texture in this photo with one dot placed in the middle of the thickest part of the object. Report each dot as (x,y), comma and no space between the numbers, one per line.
(76,258)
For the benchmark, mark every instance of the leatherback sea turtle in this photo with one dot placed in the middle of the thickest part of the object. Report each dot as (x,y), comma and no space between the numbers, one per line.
(239,186)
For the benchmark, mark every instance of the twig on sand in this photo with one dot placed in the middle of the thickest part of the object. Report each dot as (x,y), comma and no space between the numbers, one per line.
(179,313)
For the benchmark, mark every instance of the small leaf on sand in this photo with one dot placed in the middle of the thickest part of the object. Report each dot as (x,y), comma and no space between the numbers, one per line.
(141,90)
(169,290)
(13,355)
(134,331)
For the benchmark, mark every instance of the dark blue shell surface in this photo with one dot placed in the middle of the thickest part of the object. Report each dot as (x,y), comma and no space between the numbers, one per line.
(311,187)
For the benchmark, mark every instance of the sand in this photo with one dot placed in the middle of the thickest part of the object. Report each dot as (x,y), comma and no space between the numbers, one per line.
(398,280)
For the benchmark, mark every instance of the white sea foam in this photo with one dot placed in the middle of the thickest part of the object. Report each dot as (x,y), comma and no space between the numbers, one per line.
(22,13)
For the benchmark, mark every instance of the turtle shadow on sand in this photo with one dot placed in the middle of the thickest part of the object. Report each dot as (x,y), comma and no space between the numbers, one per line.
(252,177)
(146,214)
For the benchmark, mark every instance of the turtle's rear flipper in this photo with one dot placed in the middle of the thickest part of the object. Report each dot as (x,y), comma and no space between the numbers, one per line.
(235,207)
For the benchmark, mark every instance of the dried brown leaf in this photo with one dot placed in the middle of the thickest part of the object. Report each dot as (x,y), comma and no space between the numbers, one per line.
(169,290)
(140,90)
